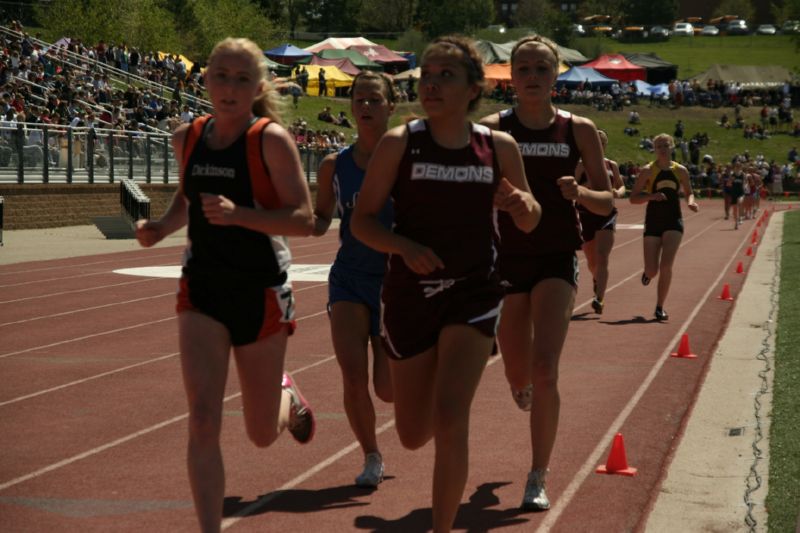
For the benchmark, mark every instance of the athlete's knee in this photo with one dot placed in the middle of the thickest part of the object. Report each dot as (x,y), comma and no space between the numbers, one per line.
(413,438)
(262,437)
(204,424)
(545,374)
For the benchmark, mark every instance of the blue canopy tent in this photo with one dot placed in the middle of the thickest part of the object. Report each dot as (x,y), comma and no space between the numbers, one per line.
(576,75)
(287,54)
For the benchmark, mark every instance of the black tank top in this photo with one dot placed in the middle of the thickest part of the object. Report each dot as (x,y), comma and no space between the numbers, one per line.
(229,254)
(666,182)
(443,199)
(547,154)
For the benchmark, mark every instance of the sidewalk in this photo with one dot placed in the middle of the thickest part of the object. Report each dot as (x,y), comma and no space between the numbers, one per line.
(704,488)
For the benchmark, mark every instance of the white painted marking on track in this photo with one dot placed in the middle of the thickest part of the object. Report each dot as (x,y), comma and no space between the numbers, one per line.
(296,272)
(630,226)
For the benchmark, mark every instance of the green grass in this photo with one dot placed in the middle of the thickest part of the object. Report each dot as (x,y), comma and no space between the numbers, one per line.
(694,55)
(783,500)
(723,144)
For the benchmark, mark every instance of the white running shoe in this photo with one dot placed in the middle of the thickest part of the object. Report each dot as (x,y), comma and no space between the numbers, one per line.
(373,471)
(523,396)
(535,498)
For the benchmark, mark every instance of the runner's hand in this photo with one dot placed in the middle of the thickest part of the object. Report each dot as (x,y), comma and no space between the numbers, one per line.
(148,232)
(218,209)
(569,187)
(513,200)
(658,197)
(420,259)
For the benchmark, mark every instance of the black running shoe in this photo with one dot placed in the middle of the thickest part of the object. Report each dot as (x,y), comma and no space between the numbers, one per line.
(661,315)
(645,279)
(597,305)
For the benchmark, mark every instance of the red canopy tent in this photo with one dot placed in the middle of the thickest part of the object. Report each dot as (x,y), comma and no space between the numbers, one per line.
(617,67)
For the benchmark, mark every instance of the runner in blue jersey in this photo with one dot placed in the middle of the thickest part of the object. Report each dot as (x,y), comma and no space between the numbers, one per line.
(354,284)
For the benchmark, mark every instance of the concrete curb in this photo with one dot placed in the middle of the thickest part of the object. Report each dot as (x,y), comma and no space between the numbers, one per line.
(715,461)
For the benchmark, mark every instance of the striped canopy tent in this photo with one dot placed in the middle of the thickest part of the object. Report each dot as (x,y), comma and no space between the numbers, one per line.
(338,43)
(334,79)
(391,61)
(359,60)
(344,64)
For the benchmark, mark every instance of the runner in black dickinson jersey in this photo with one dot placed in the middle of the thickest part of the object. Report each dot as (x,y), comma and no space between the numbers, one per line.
(541,269)
(234,292)
(598,230)
(441,293)
(658,185)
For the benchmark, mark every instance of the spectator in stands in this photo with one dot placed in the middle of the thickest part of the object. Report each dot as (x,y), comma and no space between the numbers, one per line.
(186,114)
(793,155)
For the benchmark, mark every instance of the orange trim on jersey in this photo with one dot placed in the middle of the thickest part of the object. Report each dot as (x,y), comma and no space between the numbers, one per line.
(193,134)
(260,181)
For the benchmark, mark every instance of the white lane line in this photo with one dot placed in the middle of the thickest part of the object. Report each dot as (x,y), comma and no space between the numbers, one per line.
(47,280)
(323,241)
(595,457)
(84,309)
(116,371)
(85,380)
(123,440)
(76,339)
(75,291)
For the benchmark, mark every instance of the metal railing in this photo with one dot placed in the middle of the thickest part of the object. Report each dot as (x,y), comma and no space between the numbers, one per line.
(46,153)
(37,153)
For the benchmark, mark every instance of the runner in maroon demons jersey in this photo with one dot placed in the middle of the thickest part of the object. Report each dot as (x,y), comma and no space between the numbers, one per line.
(541,269)
(598,230)
(441,293)
(234,294)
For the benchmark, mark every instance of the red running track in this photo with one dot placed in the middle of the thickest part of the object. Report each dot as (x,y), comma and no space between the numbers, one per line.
(93,416)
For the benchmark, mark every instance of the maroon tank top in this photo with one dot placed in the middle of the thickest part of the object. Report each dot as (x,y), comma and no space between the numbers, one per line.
(547,154)
(443,199)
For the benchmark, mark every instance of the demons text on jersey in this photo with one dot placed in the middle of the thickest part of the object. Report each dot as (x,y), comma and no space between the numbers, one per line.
(452,173)
(544,149)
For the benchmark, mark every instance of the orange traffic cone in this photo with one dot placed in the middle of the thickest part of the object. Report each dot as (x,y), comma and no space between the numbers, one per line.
(617,462)
(754,240)
(683,349)
(749,251)
(739,268)
(726,293)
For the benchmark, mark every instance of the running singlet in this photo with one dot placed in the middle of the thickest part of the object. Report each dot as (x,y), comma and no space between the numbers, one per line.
(443,199)
(583,179)
(668,183)
(737,185)
(354,255)
(230,254)
(548,154)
